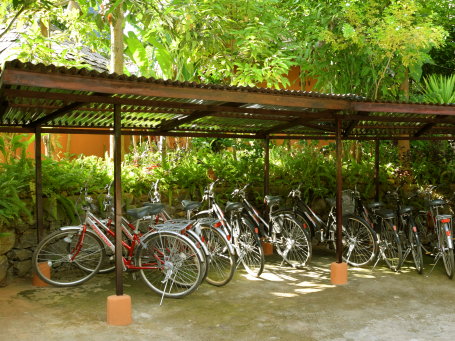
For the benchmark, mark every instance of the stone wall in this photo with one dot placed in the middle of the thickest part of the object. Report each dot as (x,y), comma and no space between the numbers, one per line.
(16,250)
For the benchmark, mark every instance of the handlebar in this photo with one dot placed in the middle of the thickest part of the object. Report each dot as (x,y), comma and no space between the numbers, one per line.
(240,192)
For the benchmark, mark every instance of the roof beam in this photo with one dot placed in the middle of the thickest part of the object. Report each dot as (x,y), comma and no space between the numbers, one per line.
(430,125)
(429,109)
(59,112)
(151,103)
(178,121)
(300,122)
(78,82)
(352,124)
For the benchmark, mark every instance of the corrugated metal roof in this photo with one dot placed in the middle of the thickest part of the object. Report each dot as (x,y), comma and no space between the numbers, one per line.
(59,97)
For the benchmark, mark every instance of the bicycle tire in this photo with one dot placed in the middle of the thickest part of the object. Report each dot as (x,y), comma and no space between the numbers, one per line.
(248,245)
(292,243)
(170,264)
(447,252)
(56,249)
(391,246)
(360,243)
(416,249)
(221,265)
(303,222)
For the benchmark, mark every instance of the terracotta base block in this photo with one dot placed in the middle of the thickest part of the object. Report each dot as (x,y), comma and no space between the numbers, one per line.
(46,271)
(268,248)
(119,310)
(339,273)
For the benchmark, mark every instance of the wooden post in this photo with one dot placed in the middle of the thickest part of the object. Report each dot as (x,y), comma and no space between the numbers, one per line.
(118,199)
(376,169)
(266,165)
(38,185)
(339,189)
(338,269)
(119,310)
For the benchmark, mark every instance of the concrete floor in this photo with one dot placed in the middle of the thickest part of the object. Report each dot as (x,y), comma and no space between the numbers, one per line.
(285,304)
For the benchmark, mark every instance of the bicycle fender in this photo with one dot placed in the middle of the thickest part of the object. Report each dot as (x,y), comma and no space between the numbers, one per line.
(448,234)
(67,228)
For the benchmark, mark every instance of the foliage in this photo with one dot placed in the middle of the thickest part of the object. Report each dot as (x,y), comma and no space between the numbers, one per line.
(365,47)
(439,89)
(15,174)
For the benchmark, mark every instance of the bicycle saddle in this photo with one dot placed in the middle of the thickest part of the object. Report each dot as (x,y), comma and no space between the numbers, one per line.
(141,212)
(386,213)
(437,202)
(155,207)
(375,205)
(231,206)
(272,199)
(189,205)
(407,209)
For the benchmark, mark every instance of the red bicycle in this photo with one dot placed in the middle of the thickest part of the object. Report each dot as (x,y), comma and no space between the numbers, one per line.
(169,262)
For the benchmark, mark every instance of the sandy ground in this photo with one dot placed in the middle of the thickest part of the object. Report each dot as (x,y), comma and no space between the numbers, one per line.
(284,304)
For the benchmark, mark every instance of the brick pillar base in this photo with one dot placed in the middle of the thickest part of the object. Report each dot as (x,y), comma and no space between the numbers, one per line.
(46,271)
(339,273)
(119,310)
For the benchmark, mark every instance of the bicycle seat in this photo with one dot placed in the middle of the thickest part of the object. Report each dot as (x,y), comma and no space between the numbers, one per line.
(437,202)
(407,209)
(375,205)
(189,205)
(272,199)
(386,214)
(231,206)
(155,207)
(141,212)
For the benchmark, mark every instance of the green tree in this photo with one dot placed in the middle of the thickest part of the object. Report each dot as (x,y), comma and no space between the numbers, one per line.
(365,47)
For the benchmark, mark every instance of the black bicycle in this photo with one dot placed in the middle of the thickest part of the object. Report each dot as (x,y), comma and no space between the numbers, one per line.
(358,238)
(382,222)
(279,228)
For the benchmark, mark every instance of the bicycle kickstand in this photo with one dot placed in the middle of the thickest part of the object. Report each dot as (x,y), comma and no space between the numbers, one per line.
(436,260)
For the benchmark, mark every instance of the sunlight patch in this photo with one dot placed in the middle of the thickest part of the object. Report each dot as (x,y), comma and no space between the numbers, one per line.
(308,290)
(284,294)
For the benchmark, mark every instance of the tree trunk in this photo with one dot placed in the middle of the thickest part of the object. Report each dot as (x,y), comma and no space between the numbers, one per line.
(116,63)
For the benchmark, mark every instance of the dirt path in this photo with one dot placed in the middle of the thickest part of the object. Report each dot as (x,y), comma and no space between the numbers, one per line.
(285,304)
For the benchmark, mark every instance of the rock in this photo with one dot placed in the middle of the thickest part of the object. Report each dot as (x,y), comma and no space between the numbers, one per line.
(22,268)
(3,269)
(20,254)
(26,240)
(7,240)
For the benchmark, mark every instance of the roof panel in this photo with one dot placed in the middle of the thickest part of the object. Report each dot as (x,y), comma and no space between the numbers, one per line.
(53,97)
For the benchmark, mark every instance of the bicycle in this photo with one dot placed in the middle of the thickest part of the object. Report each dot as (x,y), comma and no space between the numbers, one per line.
(436,228)
(382,223)
(238,230)
(206,232)
(280,229)
(358,239)
(168,262)
(407,232)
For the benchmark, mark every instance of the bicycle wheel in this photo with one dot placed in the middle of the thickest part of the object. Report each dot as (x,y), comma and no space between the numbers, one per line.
(359,242)
(447,252)
(390,246)
(248,245)
(72,256)
(221,261)
(416,248)
(427,235)
(292,242)
(169,264)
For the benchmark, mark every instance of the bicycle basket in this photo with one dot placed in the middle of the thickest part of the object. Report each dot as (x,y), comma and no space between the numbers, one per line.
(348,202)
